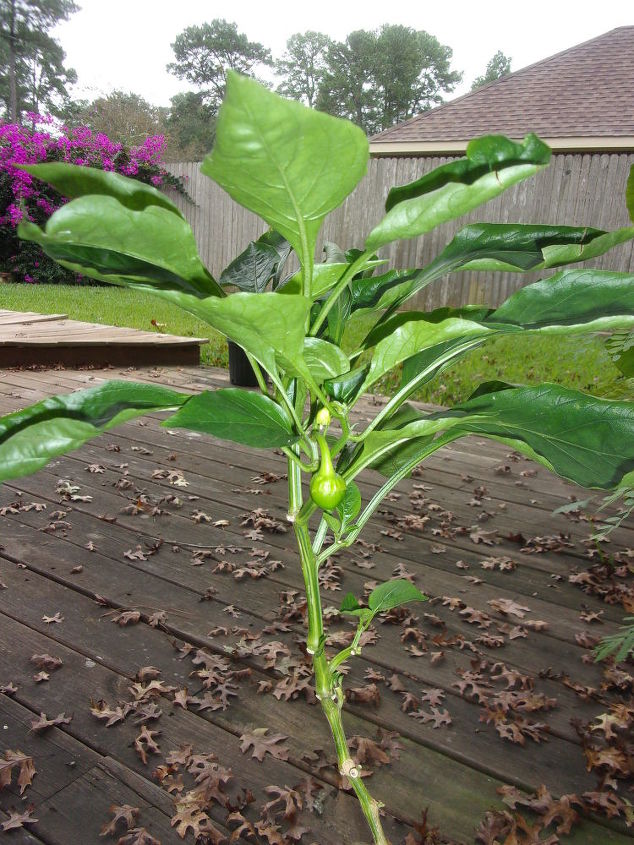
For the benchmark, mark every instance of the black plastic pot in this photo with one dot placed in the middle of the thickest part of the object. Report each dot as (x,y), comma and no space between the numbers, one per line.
(240,370)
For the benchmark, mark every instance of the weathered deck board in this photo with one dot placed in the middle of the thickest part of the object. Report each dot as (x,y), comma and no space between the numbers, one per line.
(18,318)
(467,759)
(27,339)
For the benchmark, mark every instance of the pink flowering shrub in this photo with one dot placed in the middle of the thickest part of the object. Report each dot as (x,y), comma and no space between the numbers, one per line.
(22,196)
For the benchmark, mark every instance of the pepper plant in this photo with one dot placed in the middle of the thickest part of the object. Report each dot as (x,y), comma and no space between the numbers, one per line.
(292,166)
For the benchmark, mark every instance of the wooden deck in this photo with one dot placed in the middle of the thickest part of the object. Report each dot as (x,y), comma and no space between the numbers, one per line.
(28,339)
(159,526)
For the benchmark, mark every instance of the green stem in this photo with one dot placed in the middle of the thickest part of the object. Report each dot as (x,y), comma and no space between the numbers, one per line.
(327,682)
(258,374)
(293,457)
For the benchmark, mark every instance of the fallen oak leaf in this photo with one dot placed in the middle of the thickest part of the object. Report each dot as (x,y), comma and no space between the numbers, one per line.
(18,819)
(270,831)
(46,661)
(157,619)
(101,710)
(245,829)
(189,816)
(26,769)
(153,689)
(509,607)
(147,673)
(43,722)
(146,712)
(368,694)
(145,743)
(53,619)
(368,751)
(263,744)
(126,617)
(439,718)
(124,813)
(288,799)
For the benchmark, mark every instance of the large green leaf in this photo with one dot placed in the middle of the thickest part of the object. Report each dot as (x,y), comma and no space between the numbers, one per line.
(492,164)
(513,247)
(570,301)
(580,437)
(408,334)
(267,325)
(325,276)
(237,415)
(288,163)
(402,435)
(373,292)
(324,359)
(347,387)
(73,180)
(588,440)
(31,437)
(338,317)
(507,247)
(106,240)
(253,269)
(590,299)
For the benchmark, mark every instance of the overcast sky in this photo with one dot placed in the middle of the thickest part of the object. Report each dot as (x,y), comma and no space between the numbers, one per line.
(125,44)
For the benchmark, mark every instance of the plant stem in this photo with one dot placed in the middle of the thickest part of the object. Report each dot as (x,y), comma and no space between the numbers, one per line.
(327,681)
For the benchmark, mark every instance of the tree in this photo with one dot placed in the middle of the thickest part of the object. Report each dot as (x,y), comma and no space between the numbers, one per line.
(204,53)
(498,66)
(345,90)
(385,76)
(190,125)
(33,73)
(303,66)
(413,68)
(124,116)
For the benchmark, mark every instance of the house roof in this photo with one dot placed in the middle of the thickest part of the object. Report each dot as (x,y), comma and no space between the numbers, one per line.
(581,98)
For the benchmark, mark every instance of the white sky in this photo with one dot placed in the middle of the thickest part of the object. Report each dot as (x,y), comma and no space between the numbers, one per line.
(125,44)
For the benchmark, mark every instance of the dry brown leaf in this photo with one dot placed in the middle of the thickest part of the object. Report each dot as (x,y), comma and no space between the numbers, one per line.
(263,744)
(124,813)
(145,743)
(26,769)
(18,819)
(43,722)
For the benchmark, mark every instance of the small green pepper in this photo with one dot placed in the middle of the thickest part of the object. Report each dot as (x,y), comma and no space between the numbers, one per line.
(327,487)
(322,418)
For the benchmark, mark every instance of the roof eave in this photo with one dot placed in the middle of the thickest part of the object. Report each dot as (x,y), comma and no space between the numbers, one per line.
(588,144)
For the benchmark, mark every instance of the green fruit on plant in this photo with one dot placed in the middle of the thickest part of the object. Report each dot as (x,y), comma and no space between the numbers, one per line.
(323,417)
(327,487)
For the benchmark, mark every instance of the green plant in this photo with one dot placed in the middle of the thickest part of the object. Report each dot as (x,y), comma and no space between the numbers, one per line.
(619,645)
(292,166)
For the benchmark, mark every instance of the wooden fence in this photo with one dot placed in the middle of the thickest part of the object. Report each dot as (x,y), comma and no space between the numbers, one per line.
(575,189)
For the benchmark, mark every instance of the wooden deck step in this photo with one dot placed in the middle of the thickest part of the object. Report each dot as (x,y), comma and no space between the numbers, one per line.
(27,338)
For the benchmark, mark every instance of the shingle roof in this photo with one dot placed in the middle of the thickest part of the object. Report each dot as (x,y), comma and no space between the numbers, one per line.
(585,91)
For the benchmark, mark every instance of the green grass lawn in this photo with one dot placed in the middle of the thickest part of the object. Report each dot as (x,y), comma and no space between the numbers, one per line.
(579,361)
(114,306)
